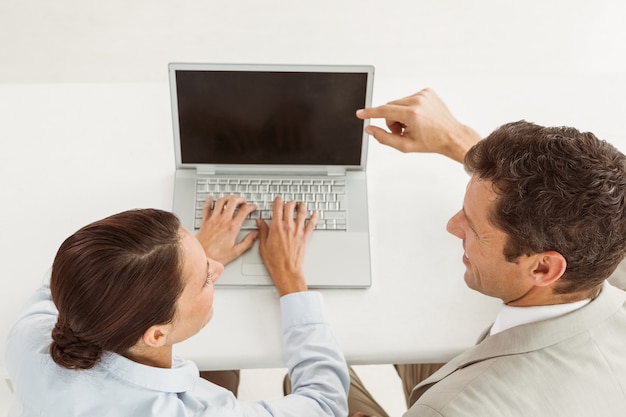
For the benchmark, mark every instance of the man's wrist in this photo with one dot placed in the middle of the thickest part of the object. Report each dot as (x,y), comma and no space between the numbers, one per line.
(461,141)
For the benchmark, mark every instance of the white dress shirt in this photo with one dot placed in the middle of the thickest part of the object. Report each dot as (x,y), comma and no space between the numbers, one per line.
(510,316)
(117,386)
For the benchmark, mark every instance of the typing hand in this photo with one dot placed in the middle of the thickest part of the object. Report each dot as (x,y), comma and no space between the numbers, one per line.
(282,245)
(220,226)
(421,123)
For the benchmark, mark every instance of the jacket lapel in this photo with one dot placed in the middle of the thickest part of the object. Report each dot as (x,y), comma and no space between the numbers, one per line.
(530,337)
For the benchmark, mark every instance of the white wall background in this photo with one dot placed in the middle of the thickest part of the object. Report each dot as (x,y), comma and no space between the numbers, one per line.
(549,61)
(133,40)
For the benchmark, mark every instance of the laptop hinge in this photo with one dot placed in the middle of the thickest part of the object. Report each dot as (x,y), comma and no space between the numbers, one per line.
(205,171)
(336,171)
(331,171)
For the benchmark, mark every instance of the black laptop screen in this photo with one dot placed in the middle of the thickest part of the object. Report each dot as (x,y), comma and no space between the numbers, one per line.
(257,117)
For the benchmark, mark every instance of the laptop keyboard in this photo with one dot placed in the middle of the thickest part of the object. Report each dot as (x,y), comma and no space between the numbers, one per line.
(327,196)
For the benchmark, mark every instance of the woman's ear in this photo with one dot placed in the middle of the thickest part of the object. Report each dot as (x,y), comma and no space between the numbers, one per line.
(156,336)
(549,267)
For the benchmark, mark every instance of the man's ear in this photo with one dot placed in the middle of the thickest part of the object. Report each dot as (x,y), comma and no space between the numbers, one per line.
(549,267)
(157,335)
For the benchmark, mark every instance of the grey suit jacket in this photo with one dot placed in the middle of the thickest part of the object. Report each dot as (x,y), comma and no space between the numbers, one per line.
(573,365)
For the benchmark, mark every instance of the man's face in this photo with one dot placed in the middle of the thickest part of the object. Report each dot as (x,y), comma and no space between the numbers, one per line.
(487,270)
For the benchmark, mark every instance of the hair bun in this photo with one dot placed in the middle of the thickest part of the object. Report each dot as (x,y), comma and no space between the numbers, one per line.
(70,351)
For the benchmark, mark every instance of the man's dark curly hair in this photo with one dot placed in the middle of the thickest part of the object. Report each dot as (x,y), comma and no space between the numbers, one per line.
(558,189)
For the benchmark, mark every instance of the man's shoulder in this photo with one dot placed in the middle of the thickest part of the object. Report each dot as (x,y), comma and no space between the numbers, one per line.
(523,384)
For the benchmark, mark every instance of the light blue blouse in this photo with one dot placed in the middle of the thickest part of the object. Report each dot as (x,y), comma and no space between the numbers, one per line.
(117,386)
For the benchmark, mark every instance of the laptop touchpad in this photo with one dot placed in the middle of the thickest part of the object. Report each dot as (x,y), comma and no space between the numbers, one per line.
(252,264)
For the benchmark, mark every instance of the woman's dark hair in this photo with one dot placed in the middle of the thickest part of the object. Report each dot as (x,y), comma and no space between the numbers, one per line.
(558,189)
(111,281)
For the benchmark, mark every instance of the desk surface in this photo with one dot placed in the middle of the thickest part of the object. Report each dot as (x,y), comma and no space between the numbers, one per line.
(71,154)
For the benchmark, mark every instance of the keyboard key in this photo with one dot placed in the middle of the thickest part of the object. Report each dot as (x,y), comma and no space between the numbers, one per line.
(334,215)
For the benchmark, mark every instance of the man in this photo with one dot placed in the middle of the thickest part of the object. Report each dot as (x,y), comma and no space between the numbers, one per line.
(543,225)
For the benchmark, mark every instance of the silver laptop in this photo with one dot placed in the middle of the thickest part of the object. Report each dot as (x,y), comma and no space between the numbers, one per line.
(262,130)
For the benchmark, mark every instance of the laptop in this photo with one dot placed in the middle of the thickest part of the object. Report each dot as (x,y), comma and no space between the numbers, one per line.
(291,129)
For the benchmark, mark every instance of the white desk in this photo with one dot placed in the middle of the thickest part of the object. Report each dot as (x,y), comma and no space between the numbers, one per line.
(71,154)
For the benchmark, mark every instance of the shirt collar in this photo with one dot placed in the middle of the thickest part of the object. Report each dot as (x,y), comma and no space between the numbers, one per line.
(510,316)
(181,377)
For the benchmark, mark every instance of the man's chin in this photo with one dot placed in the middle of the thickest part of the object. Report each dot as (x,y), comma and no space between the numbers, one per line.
(470,281)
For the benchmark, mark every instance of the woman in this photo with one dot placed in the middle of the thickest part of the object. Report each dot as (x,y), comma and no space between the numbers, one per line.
(123,290)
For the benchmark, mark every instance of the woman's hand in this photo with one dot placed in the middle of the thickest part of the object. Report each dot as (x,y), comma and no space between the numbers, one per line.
(221,225)
(283,243)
